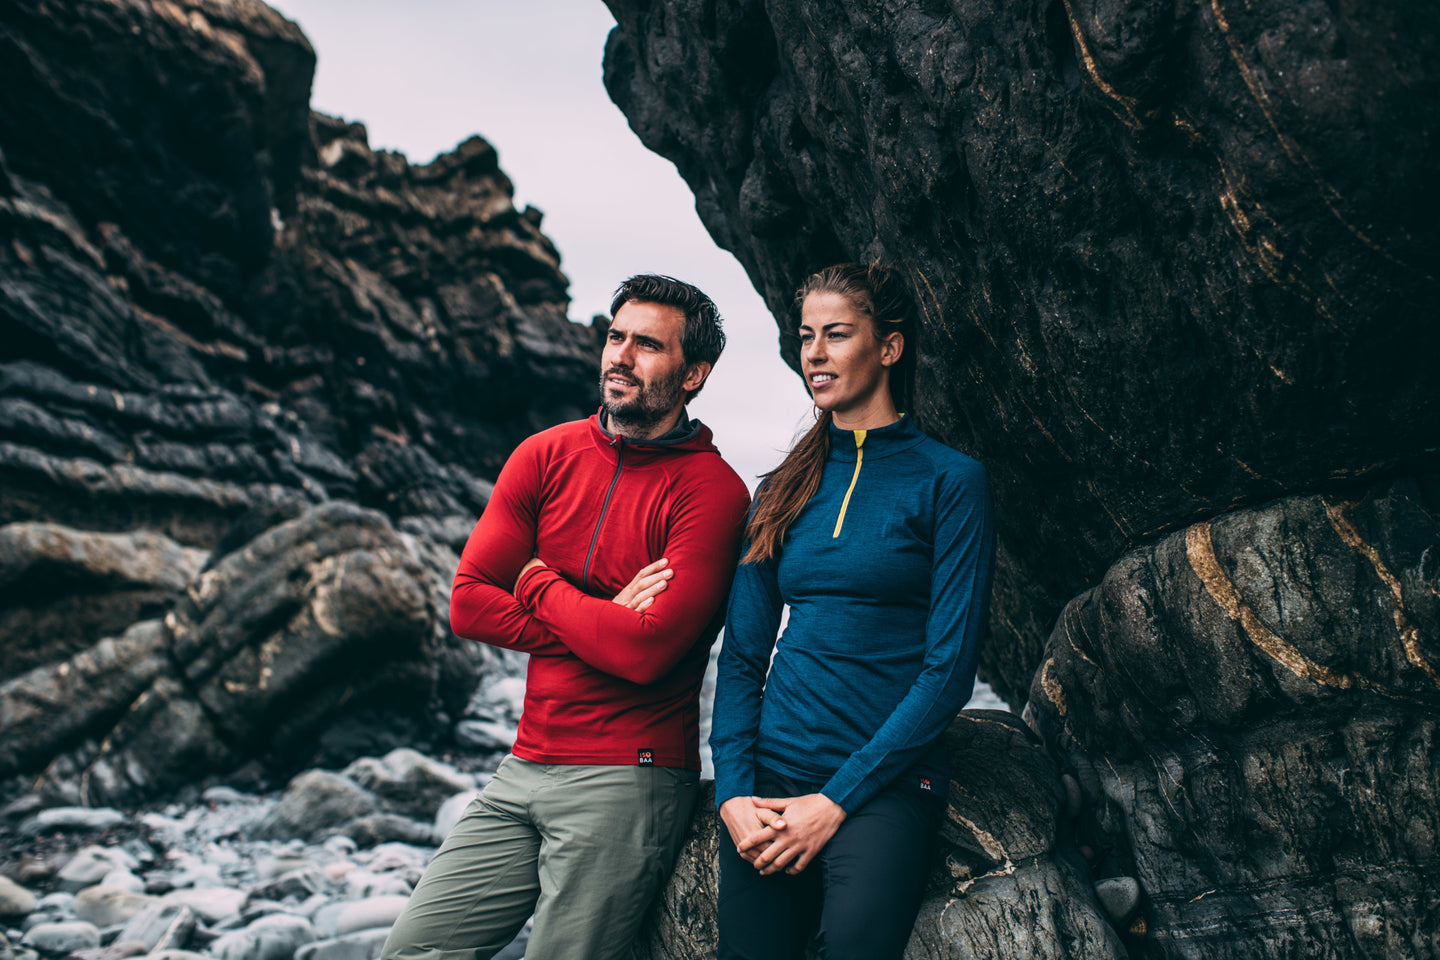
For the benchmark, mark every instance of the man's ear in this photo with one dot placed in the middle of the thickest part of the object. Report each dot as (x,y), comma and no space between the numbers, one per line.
(695,375)
(891,348)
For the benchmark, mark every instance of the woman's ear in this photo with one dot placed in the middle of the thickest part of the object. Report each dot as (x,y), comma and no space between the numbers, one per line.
(891,347)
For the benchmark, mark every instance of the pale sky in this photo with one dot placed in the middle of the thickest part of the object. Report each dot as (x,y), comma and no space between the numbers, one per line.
(526,75)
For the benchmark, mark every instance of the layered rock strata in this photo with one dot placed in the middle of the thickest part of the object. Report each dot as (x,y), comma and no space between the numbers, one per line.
(1251,706)
(235,337)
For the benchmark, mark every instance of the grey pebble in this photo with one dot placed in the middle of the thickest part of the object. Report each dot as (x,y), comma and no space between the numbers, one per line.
(1119,896)
(71,819)
(275,937)
(362,945)
(161,926)
(106,906)
(62,938)
(89,866)
(15,900)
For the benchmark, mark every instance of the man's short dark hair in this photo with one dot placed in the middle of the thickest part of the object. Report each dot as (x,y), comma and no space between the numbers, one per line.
(703,338)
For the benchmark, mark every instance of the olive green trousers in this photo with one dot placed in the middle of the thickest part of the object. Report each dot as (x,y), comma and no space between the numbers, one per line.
(584,848)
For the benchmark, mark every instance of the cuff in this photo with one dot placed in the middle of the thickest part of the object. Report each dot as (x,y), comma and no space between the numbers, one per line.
(533,584)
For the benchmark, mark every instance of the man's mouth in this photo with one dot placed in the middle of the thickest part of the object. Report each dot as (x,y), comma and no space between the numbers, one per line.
(620,378)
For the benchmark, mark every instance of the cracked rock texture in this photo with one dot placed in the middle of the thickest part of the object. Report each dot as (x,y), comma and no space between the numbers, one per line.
(1251,706)
(256,380)
(1171,258)
(1176,266)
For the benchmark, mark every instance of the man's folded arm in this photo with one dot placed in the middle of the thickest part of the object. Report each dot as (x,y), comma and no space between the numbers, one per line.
(704,538)
(482,606)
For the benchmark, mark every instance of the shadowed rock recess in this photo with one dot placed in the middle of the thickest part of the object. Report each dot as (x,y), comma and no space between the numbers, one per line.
(255,380)
(1177,266)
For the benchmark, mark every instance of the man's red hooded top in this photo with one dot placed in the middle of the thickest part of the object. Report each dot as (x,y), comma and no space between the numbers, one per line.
(606,685)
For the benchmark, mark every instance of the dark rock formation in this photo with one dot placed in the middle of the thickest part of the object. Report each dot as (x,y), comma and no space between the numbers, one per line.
(219,311)
(316,617)
(1264,689)
(1176,265)
(62,588)
(1005,881)
(1171,258)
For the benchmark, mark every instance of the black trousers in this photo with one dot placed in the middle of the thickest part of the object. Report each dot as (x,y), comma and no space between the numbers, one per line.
(859,896)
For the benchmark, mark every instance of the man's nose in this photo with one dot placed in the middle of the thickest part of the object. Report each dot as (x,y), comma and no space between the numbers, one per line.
(622,353)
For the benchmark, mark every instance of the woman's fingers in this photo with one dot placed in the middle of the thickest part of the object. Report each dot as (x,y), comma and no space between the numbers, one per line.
(770,818)
(759,838)
(779,861)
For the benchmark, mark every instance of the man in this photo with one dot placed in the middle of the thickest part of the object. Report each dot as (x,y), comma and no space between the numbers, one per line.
(606,553)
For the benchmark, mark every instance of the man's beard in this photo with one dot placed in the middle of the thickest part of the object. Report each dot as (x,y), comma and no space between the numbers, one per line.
(651,404)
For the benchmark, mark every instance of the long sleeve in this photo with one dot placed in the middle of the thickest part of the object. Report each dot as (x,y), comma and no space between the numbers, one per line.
(482,606)
(959,596)
(751,624)
(705,527)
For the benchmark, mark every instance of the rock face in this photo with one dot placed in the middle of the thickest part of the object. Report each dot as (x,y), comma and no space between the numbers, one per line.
(1264,691)
(1170,258)
(1175,265)
(237,339)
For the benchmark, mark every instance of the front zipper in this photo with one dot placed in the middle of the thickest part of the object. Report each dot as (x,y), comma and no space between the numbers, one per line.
(844,504)
(619,444)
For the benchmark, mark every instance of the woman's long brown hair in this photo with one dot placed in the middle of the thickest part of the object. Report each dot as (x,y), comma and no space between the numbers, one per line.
(873,291)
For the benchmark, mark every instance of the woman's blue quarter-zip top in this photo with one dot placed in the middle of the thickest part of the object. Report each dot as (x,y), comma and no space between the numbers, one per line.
(887,574)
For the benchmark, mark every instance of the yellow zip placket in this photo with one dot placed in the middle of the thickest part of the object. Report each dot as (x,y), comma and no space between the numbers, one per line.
(859,458)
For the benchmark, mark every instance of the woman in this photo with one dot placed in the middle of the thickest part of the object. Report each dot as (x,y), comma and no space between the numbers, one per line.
(829,767)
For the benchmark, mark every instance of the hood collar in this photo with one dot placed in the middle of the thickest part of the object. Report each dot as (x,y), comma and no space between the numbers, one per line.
(686,432)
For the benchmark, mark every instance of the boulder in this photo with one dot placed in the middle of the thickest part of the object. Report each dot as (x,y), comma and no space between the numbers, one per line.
(1264,690)
(64,587)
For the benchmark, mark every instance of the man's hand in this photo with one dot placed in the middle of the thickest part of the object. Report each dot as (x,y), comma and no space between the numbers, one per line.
(534,562)
(808,824)
(640,592)
(752,828)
